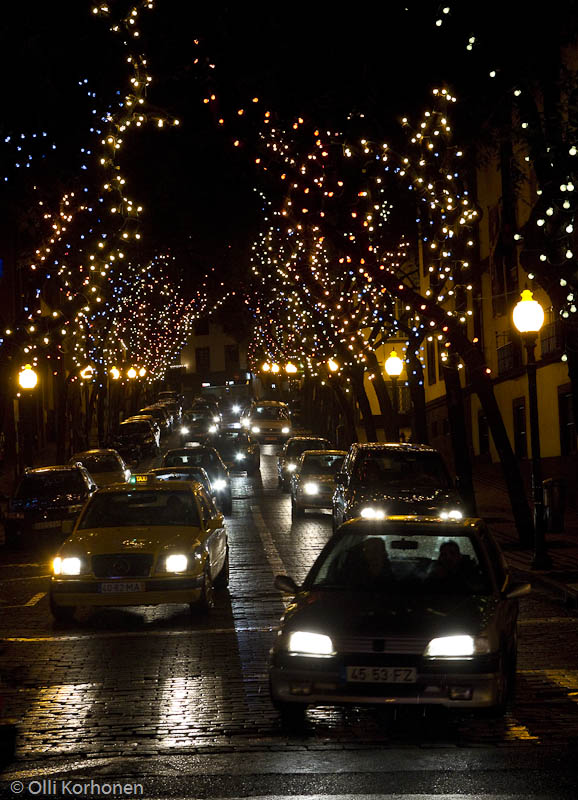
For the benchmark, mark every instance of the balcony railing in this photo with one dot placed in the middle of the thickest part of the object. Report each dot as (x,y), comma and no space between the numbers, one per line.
(509,358)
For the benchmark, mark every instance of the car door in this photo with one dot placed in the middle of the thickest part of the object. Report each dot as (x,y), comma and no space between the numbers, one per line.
(216,536)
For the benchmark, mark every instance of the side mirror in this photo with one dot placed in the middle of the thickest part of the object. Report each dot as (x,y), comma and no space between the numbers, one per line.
(286,584)
(518,590)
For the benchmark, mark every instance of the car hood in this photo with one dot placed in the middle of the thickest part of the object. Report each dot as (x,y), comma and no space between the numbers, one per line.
(345,613)
(403,501)
(46,503)
(108,478)
(130,540)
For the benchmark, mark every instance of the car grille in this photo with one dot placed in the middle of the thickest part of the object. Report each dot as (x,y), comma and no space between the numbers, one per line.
(401,645)
(122,565)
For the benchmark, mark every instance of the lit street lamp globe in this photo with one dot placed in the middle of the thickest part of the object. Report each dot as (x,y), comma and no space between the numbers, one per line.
(394,365)
(266,366)
(333,365)
(528,314)
(131,373)
(27,377)
(290,369)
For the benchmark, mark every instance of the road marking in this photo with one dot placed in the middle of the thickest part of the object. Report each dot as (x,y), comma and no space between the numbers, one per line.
(35,599)
(134,634)
(271,551)
(20,564)
(23,578)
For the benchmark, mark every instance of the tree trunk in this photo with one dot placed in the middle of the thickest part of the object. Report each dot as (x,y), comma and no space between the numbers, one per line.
(357,375)
(459,435)
(417,394)
(346,434)
(383,398)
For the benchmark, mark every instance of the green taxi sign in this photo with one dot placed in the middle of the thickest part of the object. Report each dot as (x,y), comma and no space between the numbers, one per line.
(134,479)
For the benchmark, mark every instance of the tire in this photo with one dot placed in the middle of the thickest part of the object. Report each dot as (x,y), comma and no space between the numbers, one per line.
(222,579)
(206,603)
(292,715)
(227,506)
(61,613)
(507,689)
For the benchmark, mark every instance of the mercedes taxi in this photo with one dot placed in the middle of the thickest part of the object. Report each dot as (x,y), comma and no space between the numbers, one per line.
(147,543)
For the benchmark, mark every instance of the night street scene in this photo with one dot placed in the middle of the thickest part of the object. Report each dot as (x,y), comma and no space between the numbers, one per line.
(288,400)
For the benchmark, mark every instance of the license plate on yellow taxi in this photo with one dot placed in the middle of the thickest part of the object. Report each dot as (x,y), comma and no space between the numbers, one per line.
(120,587)
(381,674)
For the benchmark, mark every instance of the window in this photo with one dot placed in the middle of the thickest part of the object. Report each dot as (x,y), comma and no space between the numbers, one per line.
(431,362)
(231,356)
(520,437)
(509,358)
(203,359)
(566,421)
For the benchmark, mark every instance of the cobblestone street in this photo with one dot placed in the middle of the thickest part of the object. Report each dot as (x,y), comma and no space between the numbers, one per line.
(160,681)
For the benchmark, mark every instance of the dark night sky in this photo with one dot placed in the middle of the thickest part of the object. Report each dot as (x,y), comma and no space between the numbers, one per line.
(309,59)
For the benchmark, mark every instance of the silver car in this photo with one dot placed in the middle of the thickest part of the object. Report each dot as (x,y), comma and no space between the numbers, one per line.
(313,482)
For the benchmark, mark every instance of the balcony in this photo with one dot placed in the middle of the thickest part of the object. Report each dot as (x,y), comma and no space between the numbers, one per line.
(509,358)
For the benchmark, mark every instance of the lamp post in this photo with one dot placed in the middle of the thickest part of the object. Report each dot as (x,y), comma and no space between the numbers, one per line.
(394,368)
(528,318)
(27,381)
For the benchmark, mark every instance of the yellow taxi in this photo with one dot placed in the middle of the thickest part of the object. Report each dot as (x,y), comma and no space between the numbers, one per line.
(142,543)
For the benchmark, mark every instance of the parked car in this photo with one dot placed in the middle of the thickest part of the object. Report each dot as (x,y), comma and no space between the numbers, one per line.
(268,421)
(105,466)
(46,502)
(383,479)
(239,451)
(162,417)
(292,449)
(400,611)
(153,422)
(199,455)
(313,482)
(151,543)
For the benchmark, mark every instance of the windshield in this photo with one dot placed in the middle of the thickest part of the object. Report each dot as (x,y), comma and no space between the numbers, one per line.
(138,426)
(140,508)
(401,470)
(294,449)
(269,412)
(231,443)
(329,464)
(50,484)
(399,563)
(100,463)
(182,474)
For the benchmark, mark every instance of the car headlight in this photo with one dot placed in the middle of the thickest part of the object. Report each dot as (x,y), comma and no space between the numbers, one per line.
(311,488)
(453,513)
(220,484)
(285,429)
(213,429)
(457,647)
(176,563)
(291,467)
(66,566)
(184,431)
(239,456)
(216,419)
(236,409)
(256,429)
(245,423)
(310,644)
(368,512)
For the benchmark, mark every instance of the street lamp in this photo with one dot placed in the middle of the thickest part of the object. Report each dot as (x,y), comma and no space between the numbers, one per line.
(528,318)
(27,377)
(333,365)
(394,368)
(27,380)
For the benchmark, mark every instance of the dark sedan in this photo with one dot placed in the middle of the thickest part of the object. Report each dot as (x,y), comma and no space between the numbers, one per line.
(239,451)
(289,456)
(199,455)
(404,611)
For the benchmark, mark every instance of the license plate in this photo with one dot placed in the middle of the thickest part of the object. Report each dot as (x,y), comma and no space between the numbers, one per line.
(121,587)
(270,438)
(381,674)
(47,523)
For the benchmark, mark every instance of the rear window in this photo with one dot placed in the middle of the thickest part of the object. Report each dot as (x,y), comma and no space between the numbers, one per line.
(193,458)
(401,470)
(108,463)
(51,484)
(411,563)
(138,426)
(295,449)
(140,508)
(329,464)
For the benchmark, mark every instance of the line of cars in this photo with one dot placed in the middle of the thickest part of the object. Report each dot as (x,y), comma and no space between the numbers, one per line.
(410,602)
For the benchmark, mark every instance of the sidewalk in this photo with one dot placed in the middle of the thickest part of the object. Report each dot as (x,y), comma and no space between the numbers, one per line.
(494,506)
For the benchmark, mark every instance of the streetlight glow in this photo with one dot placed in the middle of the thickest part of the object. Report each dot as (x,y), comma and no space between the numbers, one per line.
(27,377)
(290,369)
(528,314)
(394,365)
(115,373)
(131,373)
(333,365)
(266,366)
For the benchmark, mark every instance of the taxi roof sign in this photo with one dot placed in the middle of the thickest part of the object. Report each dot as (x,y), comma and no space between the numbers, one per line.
(141,478)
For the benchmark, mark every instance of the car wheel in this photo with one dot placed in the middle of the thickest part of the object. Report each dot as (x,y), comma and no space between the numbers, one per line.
(61,613)
(206,603)
(296,511)
(223,576)
(292,715)
(506,689)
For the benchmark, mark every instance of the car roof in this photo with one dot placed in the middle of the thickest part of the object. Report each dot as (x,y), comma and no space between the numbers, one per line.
(414,525)
(51,468)
(187,450)
(307,439)
(97,451)
(157,486)
(324,453)
(405,447)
